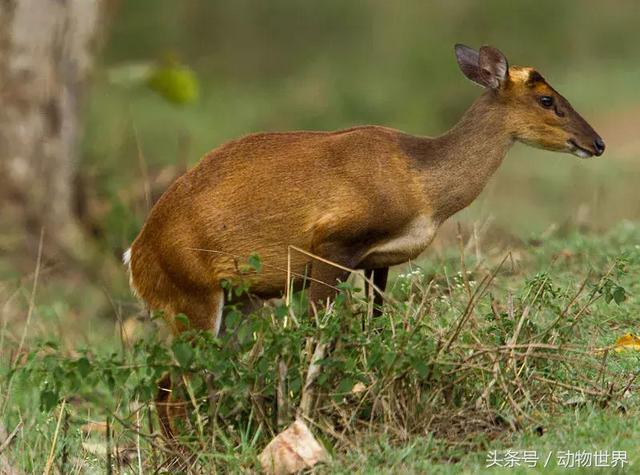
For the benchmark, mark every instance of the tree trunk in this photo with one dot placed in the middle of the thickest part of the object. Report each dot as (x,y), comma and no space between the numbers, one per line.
(46,52)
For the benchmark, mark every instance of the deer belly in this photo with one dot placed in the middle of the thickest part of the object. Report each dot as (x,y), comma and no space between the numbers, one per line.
(403,247)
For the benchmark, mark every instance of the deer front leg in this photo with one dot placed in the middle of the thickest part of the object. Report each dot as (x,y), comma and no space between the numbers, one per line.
(323,287)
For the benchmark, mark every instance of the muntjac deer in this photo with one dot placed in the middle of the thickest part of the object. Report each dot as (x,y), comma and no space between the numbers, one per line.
(367,197)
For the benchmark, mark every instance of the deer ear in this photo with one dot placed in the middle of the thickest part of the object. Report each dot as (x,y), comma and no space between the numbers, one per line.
(487,68)
(493,67)
(469,63)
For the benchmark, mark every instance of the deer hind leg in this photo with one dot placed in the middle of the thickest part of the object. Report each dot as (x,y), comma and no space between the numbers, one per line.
(204,311)
(379,277)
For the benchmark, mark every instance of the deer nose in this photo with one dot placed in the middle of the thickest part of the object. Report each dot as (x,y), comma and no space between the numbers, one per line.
(599,146)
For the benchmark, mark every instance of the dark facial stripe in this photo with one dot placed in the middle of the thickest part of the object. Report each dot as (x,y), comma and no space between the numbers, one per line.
(534,78)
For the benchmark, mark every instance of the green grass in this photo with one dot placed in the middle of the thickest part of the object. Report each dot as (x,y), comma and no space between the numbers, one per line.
(578,293)
(587,429)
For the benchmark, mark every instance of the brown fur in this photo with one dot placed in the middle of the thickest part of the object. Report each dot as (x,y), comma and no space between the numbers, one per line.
(359,197)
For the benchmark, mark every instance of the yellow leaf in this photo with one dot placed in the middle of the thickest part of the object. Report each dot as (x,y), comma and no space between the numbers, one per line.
(176,83)
(627,342)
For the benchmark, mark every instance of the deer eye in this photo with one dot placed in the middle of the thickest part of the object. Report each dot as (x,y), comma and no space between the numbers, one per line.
(545,101)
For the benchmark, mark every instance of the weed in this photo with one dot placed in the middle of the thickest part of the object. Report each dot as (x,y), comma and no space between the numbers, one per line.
(460,366)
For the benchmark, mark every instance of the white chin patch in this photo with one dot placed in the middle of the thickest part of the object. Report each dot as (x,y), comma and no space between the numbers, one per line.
(126,257)
(578,152)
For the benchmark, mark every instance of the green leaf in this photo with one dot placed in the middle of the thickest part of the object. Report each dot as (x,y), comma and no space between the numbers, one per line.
(51,344)
(344,286)
(255,262)
(345,385)
(421,367)
(182,319)
(183,353)
(83,366)
(233,319)
(281,310)
(48,399)
(245,334)
(619,294)
(389,357)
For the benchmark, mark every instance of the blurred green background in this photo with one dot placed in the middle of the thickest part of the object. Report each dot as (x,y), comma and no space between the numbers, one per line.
(285,64)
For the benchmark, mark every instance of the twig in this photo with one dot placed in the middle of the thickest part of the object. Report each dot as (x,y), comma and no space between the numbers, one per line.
(570,386)
(143,170)
(47,468)
(543,346)
(281,393)
(512,357)
(154,455)
(149,437)
(266,266)
(465,278)
(602,366)
(32,298)
(306,400)
(109,466)
(138,441)
(29,314)
(479,292)
(196,407)
(631,380)
(346,269)
(7,441)
(5,319)
(484,397)
(566,309)
(64,458)
(289,282)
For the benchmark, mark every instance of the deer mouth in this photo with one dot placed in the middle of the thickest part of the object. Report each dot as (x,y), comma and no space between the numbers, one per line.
(579,151)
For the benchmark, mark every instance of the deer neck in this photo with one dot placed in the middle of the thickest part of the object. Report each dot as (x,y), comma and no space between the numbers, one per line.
(460,162)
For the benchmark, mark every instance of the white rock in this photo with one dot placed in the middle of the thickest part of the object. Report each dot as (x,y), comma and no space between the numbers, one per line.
(292,450)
